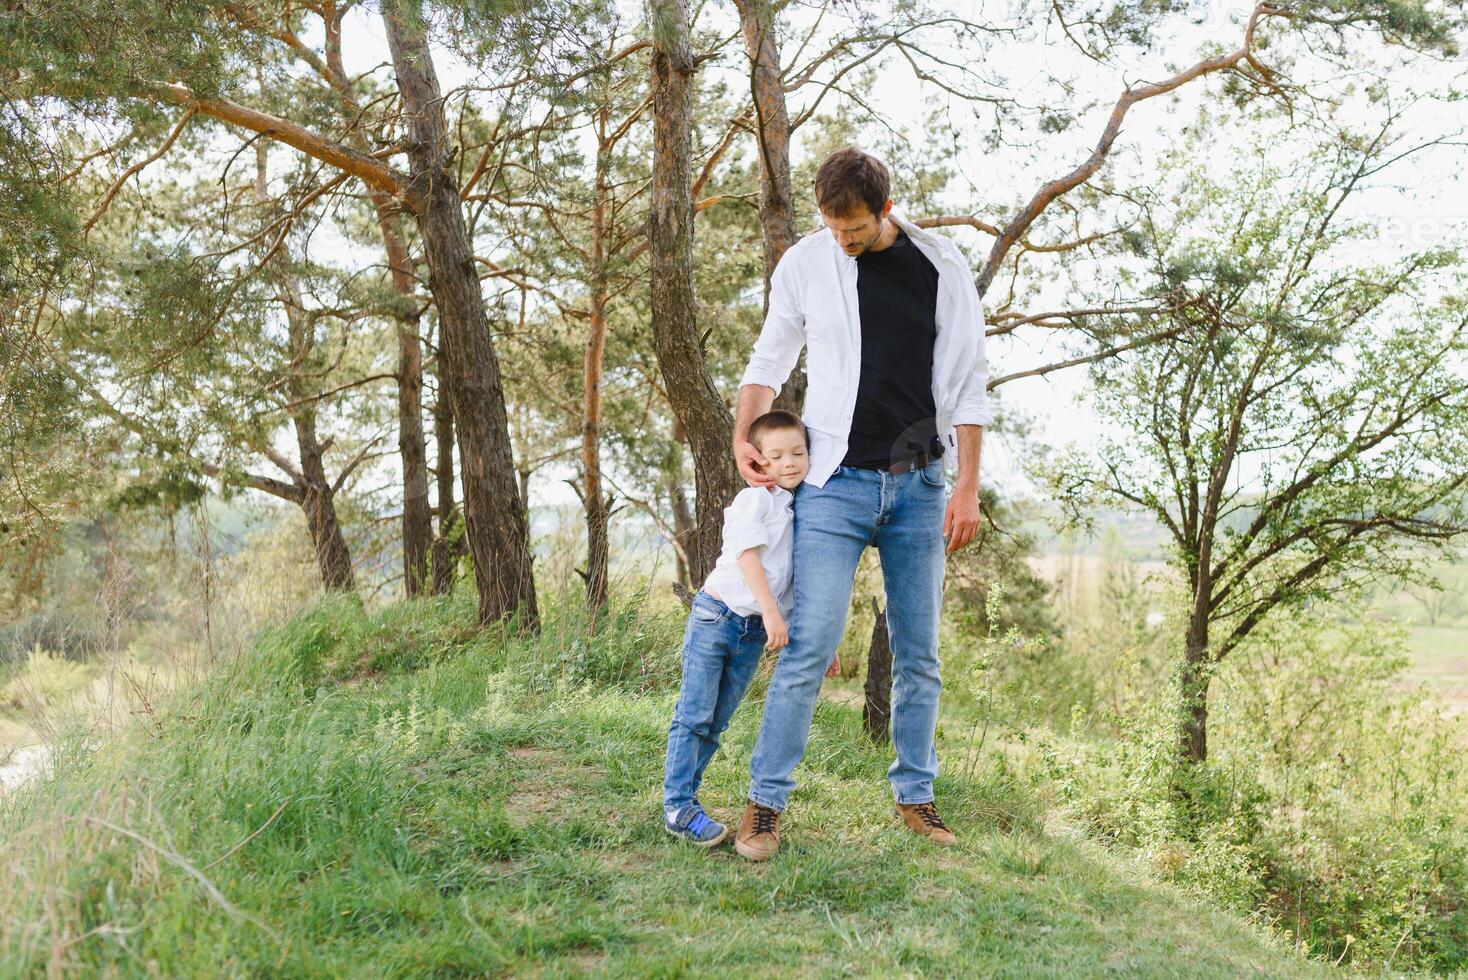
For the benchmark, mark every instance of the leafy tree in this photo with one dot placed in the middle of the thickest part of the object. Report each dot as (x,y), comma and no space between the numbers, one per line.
(1301,427)
(190,55)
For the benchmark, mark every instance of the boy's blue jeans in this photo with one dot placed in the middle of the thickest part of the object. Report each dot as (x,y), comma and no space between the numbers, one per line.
(903,516)
(721,651)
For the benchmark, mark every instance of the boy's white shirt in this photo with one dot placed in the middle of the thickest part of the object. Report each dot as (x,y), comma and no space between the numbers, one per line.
(813,303)
(763,519)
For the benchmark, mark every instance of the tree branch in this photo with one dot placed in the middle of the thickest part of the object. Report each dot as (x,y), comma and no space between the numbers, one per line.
(132,171)
(372,172)
(1042,198)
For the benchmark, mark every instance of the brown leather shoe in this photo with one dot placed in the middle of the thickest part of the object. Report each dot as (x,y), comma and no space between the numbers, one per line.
(758,836)
(922,819)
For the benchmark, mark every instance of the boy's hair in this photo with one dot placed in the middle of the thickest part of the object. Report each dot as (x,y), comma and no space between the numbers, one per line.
(776,420)
(849,180)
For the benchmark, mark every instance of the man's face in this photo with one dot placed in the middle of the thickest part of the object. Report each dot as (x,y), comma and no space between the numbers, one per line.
(788,459)
(856,233)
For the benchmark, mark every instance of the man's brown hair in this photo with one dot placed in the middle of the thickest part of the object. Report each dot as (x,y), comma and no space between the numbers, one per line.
(849,180)
(775,421)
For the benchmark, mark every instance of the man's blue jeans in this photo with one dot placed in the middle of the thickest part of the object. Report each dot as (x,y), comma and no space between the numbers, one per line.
(903,516)
(721,651)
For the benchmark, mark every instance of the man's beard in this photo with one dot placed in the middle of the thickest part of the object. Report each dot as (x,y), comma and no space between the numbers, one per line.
(867,245)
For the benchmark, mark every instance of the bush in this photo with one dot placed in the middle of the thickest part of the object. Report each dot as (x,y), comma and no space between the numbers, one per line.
(633,645)
(1331,804)
(44,682)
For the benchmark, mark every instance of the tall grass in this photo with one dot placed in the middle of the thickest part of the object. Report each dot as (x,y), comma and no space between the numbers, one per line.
(273,772)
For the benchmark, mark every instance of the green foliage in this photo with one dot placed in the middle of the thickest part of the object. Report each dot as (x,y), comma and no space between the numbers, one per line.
(171,489)
(98,52)
(986,675)
(39,242)
(1331,804)
(43,680)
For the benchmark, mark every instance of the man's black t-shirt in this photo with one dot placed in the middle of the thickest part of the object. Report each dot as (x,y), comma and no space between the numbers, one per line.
(894,418)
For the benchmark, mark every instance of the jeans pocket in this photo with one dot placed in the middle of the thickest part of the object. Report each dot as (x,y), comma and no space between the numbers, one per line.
(932,474)
(705,614)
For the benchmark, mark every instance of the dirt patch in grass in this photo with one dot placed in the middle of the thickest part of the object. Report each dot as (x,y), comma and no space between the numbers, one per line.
(546,782)
(624,860)
(587,960)
(500,870)
(528,803)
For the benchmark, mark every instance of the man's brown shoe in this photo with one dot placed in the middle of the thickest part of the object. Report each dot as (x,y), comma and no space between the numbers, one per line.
(758,836)
(922,819)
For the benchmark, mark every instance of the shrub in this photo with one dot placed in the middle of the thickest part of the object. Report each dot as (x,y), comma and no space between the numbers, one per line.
(44,682)
(1331,803)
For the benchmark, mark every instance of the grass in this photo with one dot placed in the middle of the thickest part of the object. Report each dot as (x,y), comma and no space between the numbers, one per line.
(397,795)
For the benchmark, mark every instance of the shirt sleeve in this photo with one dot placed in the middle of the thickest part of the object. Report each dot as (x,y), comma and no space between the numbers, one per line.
(972,407)
(783,335)
(744,521)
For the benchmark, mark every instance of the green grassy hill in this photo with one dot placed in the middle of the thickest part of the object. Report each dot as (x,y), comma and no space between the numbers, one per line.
(401,795)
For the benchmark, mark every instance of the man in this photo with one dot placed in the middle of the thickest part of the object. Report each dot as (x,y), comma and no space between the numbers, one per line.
(890,319)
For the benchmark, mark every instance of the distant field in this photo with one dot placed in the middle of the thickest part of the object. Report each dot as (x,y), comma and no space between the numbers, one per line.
(1437,622)
(1440,661)
(1086,570)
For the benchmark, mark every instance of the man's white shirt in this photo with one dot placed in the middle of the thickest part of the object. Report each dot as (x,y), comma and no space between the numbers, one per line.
(813,304)
(763,519)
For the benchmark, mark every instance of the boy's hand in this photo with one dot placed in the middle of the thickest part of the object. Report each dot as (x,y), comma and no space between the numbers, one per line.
(751,465)
(777,634)
(835,669)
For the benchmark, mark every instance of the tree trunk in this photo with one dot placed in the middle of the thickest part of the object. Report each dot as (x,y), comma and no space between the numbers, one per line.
(1193,692)
(412,446)
(494,512)
(676,341)
(776,198)
(412,449)
(318,496)
(445,547)
(683,528)
(318,501)
(876,713)
(114,586)
(313,491)
(597,504)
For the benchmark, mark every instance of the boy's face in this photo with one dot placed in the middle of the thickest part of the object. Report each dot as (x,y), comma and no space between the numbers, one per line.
(788,460)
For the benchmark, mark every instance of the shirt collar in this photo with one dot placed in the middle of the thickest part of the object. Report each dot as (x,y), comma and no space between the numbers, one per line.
(899,218)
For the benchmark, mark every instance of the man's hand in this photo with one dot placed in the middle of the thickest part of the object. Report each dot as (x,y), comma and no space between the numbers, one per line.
(961,519)
(777,634)
(751,465)
(835,669)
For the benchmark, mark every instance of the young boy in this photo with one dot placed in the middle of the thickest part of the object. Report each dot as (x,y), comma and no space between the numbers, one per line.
(740,611)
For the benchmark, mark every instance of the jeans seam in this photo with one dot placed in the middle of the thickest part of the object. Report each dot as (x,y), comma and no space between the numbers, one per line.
(928,799)
(765,803)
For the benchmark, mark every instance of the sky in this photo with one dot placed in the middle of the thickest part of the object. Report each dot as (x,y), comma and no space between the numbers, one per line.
(1424,204)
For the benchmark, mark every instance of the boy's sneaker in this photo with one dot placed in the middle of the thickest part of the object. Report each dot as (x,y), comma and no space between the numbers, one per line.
(696,827)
